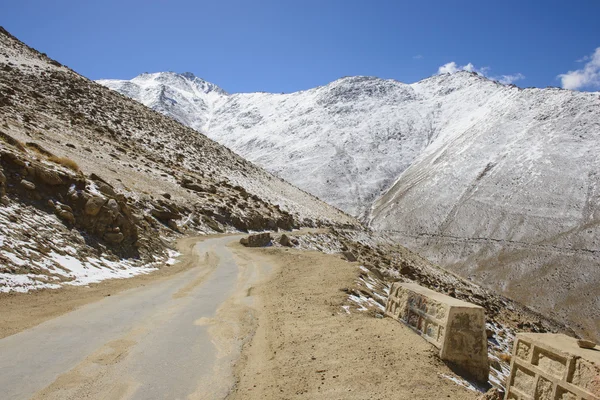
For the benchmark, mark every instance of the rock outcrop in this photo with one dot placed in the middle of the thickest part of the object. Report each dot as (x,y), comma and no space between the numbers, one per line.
(258,240)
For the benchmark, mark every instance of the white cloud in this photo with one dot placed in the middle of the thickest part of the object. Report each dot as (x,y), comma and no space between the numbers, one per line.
(452,67)
(418,57)
(508,79)
(587,77)
(448,68)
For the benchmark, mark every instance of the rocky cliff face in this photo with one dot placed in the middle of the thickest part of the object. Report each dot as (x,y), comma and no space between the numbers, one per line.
(498,182)
(94,185)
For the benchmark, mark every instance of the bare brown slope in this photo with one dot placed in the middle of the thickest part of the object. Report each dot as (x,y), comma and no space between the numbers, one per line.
(306,346)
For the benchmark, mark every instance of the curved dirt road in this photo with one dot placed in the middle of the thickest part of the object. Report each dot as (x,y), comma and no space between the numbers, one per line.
(150,342)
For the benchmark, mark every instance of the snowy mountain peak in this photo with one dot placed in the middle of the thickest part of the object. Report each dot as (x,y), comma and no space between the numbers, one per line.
(184,81)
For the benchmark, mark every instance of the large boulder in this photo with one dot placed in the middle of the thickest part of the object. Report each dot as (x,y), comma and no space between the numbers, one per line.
(258,240)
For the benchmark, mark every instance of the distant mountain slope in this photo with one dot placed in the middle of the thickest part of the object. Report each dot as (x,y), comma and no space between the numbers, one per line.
(498,182)
(92,183)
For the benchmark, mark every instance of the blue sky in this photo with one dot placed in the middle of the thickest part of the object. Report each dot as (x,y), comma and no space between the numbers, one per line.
(284,45)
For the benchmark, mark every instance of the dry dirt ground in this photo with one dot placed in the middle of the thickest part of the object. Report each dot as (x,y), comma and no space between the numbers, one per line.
(306,346)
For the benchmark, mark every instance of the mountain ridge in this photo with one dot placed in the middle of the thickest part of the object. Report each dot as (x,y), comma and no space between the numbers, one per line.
(459,167)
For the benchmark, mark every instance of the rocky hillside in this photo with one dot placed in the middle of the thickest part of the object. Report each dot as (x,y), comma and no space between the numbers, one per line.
(497,182)
(93,184)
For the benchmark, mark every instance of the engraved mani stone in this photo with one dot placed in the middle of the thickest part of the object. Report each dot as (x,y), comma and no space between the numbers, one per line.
(454,326)
(547,366)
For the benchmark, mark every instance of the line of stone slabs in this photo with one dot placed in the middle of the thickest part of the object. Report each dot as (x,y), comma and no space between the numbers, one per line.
(543,366)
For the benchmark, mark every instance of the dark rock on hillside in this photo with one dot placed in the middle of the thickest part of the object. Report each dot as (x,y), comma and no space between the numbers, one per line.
(258,240)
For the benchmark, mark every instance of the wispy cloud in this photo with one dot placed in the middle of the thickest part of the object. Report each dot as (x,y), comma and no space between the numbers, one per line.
(452,67)
(507,79)
(418,57)
(586,77)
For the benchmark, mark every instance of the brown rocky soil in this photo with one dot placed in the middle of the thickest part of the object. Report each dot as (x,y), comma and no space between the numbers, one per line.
(307,346)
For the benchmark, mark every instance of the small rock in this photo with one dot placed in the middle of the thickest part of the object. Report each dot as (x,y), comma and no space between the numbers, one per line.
(93,205)
(284,240)
(65,215)
(113,205)
(164,215)
(492,394)
(212,224)
(65,207)
(167,196)
(586,344)
(27,185)
(105,188)
(113,237)
(4,200)
(489,333)
(496,365)
(349,256)
(173,225)
(194,187)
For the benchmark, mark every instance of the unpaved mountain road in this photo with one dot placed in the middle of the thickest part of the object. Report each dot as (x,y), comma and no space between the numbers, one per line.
(149,342)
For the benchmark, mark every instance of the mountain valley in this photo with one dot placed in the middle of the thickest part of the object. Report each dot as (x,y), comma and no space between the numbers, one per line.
(495,182)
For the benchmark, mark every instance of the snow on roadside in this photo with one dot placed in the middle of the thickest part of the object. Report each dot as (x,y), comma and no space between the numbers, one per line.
(37,251)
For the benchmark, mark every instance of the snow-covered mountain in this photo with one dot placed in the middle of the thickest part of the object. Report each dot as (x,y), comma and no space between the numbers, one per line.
(498,182)
(343,142)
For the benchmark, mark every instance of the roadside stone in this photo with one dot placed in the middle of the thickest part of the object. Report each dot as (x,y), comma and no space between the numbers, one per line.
(285,241)
(349,256)
(586,344)
(27,185)
(258,240)
(94,205)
